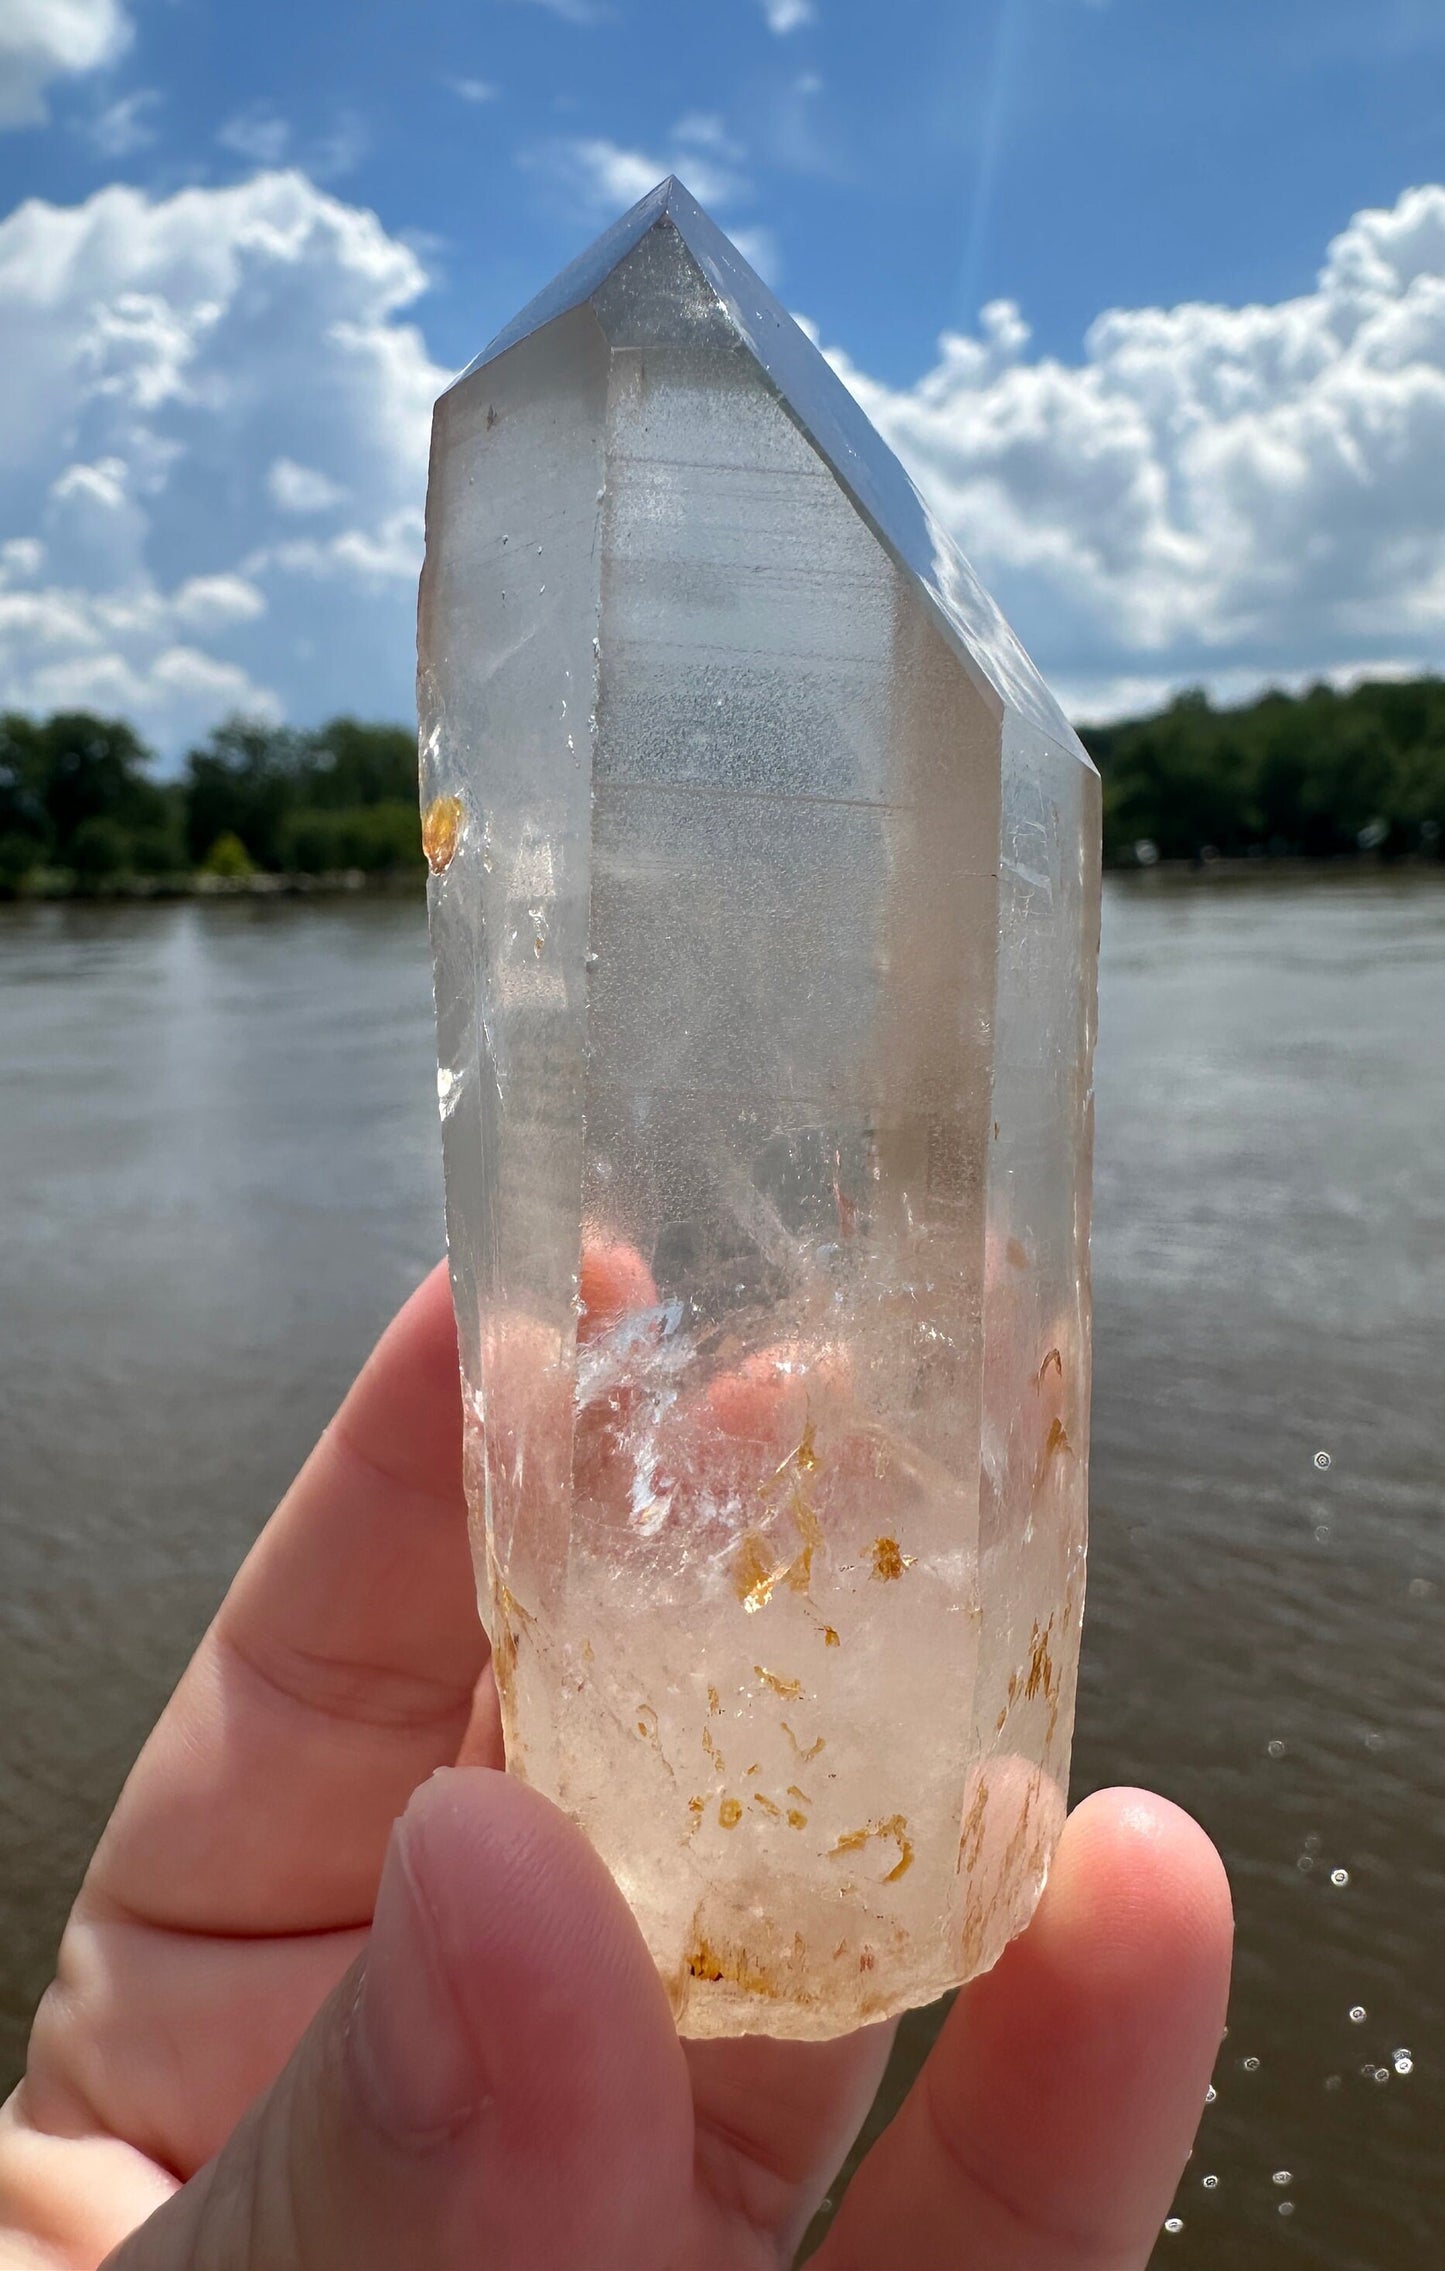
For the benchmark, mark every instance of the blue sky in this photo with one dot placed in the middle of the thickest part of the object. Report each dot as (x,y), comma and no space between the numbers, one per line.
(1075,256)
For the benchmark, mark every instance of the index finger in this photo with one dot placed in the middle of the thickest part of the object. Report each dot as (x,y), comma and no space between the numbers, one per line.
(338,1673)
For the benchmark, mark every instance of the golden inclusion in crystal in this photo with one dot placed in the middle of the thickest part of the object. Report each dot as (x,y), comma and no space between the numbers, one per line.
(441,826)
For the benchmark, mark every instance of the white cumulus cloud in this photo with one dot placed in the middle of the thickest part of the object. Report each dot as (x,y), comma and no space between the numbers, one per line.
(573,11)
(784,16)
(600,178)
(213,423)
(189,384)
(1213,494)
(42,40)
(257,133)
(261,136)
(126,125)
(301,489)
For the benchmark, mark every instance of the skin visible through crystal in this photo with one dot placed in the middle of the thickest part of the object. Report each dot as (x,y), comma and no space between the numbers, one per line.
(764,991)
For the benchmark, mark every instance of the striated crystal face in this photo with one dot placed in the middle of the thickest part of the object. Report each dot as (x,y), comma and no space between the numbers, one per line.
(764,904)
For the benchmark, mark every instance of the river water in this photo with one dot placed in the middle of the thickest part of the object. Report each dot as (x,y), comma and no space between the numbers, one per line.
(219,1175)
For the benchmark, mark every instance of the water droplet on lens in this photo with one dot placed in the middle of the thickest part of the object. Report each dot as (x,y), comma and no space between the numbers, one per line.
(1323,1460)
(1210,2094)
(1276,1747)
(1250,2065)
(1210,2183)
(1305,1863)
(1358,2013)
(1282,2175)
(1286,2207)
(1173,2223)
(1339,1876)
(1402,2062)
(1333,2081)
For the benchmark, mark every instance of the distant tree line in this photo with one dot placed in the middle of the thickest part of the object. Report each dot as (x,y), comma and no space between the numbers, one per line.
(80,806)
(1316,775)
(1319,775)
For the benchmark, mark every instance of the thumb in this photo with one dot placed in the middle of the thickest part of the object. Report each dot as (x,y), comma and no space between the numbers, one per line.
(497,2082)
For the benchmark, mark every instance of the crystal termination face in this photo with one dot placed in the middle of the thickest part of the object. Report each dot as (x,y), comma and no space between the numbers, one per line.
(764,903)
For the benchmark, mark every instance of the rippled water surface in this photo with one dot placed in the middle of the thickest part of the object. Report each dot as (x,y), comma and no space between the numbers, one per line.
(218,1175)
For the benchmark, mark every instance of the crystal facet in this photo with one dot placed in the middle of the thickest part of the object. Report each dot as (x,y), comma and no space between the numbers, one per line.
(764,901)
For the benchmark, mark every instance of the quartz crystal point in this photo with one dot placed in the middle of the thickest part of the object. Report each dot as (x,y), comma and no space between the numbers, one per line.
(764,902)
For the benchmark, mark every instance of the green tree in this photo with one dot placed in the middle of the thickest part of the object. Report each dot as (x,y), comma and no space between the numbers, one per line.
(19,858)
(386,837)
(75,792)
(378,838)
(243,781)
(349,764)
(99,851)
(1317,773)
(95,769)
(313,843)
(158,847)
(228,859)
(26,833)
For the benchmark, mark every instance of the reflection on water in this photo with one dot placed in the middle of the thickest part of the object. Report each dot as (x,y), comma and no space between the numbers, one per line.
(220,1175)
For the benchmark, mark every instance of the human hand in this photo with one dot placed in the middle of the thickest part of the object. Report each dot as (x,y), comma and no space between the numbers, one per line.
(292,2033)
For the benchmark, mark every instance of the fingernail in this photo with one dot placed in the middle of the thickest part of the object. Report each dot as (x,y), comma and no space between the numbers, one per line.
(418,2065)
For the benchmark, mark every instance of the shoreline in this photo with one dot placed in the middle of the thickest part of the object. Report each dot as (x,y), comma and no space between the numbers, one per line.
(1276,867)
(57,887)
